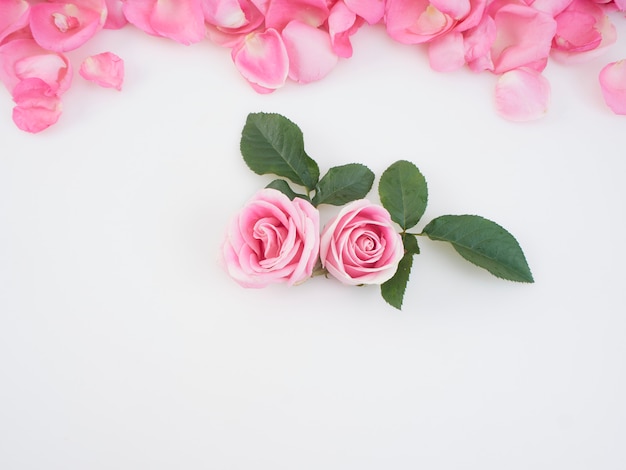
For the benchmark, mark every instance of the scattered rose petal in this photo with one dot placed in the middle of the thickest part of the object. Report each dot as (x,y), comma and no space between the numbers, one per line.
(310,52)
(522,95)
(105,69)
(447,53)
(262,60)
(64,27)
(613,85)
(37,108)
(14,15)
(115,14)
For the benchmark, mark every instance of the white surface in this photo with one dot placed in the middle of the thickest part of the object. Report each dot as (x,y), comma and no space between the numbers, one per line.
(124,346)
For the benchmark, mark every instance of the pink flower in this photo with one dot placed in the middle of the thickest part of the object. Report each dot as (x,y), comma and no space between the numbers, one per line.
(179,20)
(272,240)
(522,95)
(360,245)
(105,69)
(64,27)
(14,15)
(261,58)
(613,85)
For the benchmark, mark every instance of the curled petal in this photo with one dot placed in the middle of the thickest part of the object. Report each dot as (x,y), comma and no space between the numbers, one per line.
(522,95)
(64,27)
(105,69)
(179,20)
(371,11)
(342,23)
(262,60)
(447,52)
(524,38)
(311,56)
(14,15)
(24,58)
(115,14)
(37,108)
(613,85)
(281,12)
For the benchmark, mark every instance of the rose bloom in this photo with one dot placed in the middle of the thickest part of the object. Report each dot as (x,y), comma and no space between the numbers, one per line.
(272,240)
(360,245)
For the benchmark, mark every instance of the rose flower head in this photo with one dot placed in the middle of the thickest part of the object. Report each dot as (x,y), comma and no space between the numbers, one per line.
(272,240)
(360,244)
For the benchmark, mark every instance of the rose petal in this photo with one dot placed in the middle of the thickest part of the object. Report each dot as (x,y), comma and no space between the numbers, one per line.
(37,108)
(105,69)
(613,85)
(262,60)
(310,52)
(14,15)
(447,53)
(522,95)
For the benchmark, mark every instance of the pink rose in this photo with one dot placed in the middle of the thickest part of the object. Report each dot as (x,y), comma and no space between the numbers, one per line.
(272,240)
(360,245)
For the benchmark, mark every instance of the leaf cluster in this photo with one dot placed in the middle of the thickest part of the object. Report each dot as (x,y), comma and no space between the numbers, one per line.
(272,144)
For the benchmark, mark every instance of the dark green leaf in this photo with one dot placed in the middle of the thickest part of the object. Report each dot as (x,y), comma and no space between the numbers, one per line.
(484,243)
(404,193)
(410,243)
(283,187)
(393,290)
(343,184)
(272,144)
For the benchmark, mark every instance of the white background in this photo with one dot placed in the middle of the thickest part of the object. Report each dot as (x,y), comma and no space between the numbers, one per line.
(123,345)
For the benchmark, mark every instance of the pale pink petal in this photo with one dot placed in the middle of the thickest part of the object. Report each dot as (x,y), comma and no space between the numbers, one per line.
(105,69)
(13,16)
(64,27)
(179,20)
(477,42)
(524,37)
(115,15)
(613,85)
(37,108)
(342,23)
(447,53)
(311,56)
(522,95)
(21,59)
(370,10)
(262,60)
(552,7)
(224,13)
(415,21)
(281,12)
(456,9)
(228,20)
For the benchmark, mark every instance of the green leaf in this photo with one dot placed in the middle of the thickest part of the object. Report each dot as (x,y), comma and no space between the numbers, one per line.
(404,193)
(483,243)
(283,187)
(393,290)
(272,144)
(343,184)
(410,243)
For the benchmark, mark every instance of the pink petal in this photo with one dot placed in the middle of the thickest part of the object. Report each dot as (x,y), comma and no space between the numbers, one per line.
(524,37)
(179,20)
(64,27)
(105,69)
(447,53)
(613,85)
(13,16)
(415,21)
(311,56)
(36,107)
(24,58)
(281,12)
(115,14)
(262,60)
(342,23)
(371,10)
(522,95)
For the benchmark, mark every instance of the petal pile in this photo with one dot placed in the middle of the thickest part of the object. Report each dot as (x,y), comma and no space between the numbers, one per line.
(275,41)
